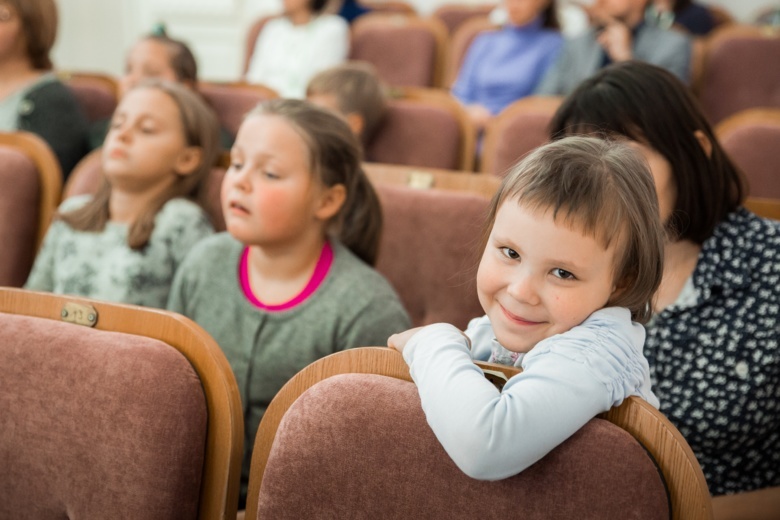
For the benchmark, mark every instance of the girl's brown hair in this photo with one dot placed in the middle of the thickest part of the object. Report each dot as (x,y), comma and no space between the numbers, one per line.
(604,188)
(335,158)
(200,130)
(39,25)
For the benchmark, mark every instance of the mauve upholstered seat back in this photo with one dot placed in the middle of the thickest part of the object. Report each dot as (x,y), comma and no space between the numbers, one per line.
(417,134)
(358,446)
(403,52)
(19,206)
(429,251)
(96,424)
(96,101)
(755,149)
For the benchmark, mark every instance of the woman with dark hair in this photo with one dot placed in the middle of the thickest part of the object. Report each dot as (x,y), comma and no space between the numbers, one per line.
(714,343)
(505,65)
(294,47)
(32,98)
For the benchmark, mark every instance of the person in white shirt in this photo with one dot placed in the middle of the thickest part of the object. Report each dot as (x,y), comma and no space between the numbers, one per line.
(294,47)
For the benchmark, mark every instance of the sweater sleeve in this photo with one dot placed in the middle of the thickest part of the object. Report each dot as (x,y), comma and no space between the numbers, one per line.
(464,87)
(567,380)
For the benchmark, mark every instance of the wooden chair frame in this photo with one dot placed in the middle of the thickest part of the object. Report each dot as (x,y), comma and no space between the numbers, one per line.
(109,82)
(49,174)
(224,444)
(766,208)
(690,498)
(432,178)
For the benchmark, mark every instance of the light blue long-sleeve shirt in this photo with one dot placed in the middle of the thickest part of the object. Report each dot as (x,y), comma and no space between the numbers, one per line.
(567,380)
(503,66)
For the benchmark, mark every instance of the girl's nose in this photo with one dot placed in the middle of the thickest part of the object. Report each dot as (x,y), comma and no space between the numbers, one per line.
(239,177)
(523,288)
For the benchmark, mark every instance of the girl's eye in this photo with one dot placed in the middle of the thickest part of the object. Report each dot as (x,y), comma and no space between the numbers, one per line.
(270,175)
(510,253)
(235,165)
(563,274)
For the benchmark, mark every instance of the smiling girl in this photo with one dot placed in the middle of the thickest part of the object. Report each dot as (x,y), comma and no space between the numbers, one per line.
(572,258)
(125,243)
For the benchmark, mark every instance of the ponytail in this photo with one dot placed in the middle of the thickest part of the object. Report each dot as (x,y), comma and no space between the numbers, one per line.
(361,224)
(335,157)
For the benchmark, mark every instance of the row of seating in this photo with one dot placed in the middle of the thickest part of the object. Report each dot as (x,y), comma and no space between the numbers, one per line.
(143,420)
(428,128)
(434,219)
(733,68)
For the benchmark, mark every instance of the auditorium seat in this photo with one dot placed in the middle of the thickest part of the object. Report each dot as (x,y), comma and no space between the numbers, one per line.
(406,50)
(30,187)
(518,129)
(114,411)
(346,438)
(97,93)
(389,6)
(752,140)
(740,70)
(456,14)
(424,127)
(231,101)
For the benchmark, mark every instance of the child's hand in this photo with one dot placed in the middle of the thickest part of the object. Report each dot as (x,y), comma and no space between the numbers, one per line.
(399,341)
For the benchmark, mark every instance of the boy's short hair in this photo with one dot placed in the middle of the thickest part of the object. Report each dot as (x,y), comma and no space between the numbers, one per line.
(357,90)
(604,188)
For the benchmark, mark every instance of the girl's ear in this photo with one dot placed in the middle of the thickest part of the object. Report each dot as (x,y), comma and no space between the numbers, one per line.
(188,160)
(331,201)
(356,123)
(704,142)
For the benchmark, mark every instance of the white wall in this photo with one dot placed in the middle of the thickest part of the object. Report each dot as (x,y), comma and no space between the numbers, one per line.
(94,34)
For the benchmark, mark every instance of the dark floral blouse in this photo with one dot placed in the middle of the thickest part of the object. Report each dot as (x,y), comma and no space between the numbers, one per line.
(715,361)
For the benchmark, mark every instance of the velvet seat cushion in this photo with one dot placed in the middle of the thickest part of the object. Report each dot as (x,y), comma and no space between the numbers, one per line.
(416,134)
(429,252)
(358,446)
(96,424)
(755,149)
(19,205)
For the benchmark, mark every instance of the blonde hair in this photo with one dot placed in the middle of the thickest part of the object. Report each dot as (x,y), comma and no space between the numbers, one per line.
(606,189)
(335,157)
(357,89)
(200,130)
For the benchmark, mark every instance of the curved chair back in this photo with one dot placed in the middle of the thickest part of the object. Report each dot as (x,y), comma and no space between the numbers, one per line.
(231,101)
(752,140)
(454,15)
(518,129)
(740,71)
(114,411)
(97,93)
(424,127)
(31,183)
(406,50)
(347,438)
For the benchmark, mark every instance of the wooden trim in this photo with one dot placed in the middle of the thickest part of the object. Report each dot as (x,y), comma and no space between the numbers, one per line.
(748,117)
(767,208)
(49,174)
(224,445)
(442,99)
(451,180)
(105,81)
(687,488)
(498,126)
(258,88)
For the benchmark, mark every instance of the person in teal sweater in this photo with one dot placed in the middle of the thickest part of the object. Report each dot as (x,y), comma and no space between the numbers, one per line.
(291,281)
